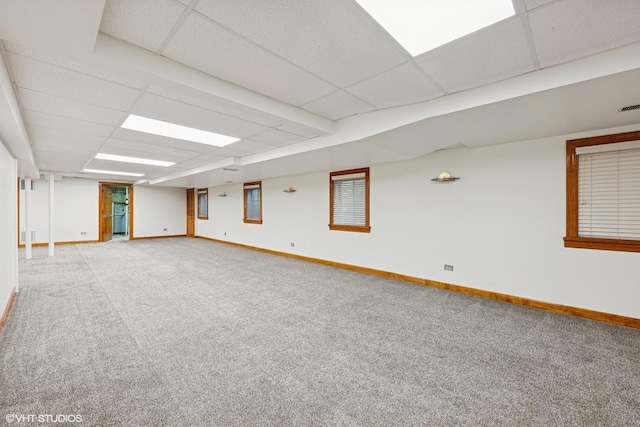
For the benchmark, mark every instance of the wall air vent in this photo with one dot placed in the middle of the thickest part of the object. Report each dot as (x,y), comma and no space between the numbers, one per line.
(630,107)
(229,169)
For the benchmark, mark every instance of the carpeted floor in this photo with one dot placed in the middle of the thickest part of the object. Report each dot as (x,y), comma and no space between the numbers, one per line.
(178,332)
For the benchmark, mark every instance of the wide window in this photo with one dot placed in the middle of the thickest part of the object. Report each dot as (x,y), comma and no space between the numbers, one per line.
(603,192)
(349,200)
(203,203)
(253,202)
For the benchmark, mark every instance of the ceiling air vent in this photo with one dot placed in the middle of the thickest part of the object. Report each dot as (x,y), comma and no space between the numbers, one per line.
(630,107)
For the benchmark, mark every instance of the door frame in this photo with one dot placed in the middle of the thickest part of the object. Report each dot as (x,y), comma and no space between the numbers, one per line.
(101,185)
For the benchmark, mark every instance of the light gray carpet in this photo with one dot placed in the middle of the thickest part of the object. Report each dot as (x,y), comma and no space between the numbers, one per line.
(178,332)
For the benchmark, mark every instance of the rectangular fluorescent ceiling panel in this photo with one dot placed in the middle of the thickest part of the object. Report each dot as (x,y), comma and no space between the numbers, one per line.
(138,160)
(172,130)
(111,172)
(422,25)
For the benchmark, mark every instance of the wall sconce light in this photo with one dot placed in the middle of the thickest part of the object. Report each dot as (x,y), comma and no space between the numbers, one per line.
(289,190)
(222,195)
(444,177)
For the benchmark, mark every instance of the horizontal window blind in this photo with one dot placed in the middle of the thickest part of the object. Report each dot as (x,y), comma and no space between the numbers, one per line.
(349,201)
(252,202)
(609,194)
(203,204)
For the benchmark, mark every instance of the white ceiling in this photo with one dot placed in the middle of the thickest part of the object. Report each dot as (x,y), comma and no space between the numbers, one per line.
(306,85)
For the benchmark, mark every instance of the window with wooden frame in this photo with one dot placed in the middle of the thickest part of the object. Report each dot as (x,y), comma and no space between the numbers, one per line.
(349,200)
(603,192)
(203,203)
(253,202)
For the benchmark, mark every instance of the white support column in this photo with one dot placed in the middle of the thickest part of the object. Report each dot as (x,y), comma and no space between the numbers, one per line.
(27,226)
(51,243)
(15,221)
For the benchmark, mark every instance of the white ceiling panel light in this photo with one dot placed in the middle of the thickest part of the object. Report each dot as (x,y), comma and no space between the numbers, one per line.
(98,171)
(172,130)
(422,25)
(138,160)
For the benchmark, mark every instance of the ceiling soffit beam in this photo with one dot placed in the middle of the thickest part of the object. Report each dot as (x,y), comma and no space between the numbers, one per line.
(141,64)
(362,126)
(220,164)
(13,133)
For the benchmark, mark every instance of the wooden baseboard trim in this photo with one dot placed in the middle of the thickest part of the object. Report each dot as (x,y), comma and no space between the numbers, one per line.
(74,242)
(158,237)
(614,319)
(7,309)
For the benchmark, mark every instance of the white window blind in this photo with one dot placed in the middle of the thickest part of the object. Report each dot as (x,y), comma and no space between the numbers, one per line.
(349,200)
(609,194)
(252,195)
(202,204)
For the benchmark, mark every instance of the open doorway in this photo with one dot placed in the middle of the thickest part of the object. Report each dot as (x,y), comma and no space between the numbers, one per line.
(115,211)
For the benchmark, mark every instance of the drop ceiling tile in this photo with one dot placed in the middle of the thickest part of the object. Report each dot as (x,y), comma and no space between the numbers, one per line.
(114,144)
(61,165)
(145,23)
(333,39)
(402,85)
(234,59)
(154,155)
(127,167)
(42,77)
(161,108)
(276,138)
(301,131)
(532,4)
(70,147)
(161,141)
(572,29)
(194,163)
(58,122)
(496,53)
(224,152)
(63,153)
(46,135)
(74,66)
(338,105)
(250,146)
(212,106)
(123,167)
(51,104)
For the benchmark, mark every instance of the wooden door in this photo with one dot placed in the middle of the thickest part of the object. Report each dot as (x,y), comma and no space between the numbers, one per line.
(107,212)
(191,224)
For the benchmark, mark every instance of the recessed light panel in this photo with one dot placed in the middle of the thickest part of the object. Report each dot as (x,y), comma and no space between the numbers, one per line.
(421,25)
(111,172)
(138,160)
(172,130)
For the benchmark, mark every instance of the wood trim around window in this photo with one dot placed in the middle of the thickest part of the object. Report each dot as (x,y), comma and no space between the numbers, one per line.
(356,228)
(202,191)
(244,202)
(572,240)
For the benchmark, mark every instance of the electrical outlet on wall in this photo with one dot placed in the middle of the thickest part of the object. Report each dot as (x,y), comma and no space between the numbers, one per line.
(164,229)
(292,245)
(448,267)
(83,233)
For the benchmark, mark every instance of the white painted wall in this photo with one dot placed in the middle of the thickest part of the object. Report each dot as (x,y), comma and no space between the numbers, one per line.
(159,211)
(75,210)
(501,225)
(8,227)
